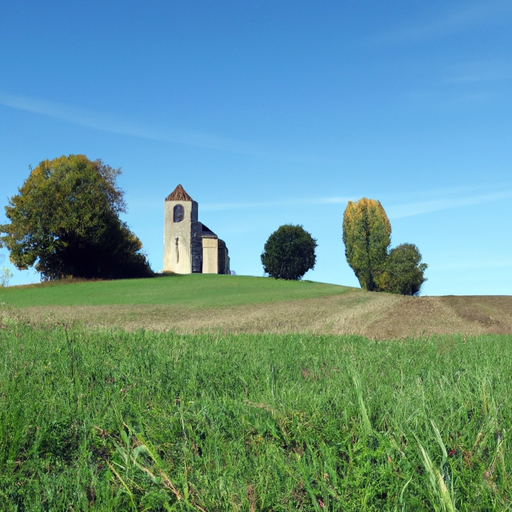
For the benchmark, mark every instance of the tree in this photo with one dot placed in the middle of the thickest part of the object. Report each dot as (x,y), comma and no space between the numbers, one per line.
(367,236)
(65,221)
(403,271)
(5,276)
(289,253)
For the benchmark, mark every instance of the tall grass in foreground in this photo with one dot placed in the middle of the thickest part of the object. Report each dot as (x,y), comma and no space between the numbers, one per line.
(102,421)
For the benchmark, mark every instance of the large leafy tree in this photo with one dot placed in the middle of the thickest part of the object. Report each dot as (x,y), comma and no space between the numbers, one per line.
(367,236)
(289,253)
(404,272)
(65,222)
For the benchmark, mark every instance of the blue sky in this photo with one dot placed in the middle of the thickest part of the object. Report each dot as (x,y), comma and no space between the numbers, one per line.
(275,112)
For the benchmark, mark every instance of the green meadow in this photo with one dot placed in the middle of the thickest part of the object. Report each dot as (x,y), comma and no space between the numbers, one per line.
(191,291)
(108,420)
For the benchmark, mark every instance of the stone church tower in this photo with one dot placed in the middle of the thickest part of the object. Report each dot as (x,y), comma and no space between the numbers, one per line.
(189,246)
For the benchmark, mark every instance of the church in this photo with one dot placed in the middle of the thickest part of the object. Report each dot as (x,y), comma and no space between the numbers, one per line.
(189,246)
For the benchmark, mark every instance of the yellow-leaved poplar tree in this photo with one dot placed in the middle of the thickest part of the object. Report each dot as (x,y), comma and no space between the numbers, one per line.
(367,236)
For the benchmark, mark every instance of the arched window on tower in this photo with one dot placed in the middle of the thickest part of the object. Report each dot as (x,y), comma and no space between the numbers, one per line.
(178,213)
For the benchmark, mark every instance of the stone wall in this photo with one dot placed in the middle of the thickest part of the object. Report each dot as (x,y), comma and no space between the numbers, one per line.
(197,248)
(210,255)
(223,258)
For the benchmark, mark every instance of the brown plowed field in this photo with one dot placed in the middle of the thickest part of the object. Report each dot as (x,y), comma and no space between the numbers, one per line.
(373,315)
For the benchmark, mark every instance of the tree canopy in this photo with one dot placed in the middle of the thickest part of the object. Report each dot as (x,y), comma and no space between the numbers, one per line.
(403,272)
(289,253)
(65,222)
(367,236)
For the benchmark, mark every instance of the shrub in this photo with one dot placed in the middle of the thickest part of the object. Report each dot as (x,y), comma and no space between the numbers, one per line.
(403,271)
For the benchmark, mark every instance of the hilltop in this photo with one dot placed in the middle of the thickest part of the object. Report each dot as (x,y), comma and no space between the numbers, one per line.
(235,304)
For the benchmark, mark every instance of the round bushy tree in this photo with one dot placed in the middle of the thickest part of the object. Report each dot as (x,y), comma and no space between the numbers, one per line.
(289,253)
(404,272)
(367,236)
(65,221)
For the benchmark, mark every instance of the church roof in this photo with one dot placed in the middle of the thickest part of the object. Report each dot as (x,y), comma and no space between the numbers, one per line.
(178,194)
(207,232)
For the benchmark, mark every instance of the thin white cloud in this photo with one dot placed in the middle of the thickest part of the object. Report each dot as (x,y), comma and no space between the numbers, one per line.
(468,17)
(454,197)
(477,72)
(293,202)
(472,265)
(103,122)
(112,124)
(459,190)
(410,209)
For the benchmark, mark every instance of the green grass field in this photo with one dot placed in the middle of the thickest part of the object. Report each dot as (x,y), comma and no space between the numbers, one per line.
(109,421)
(101,419)
(191,291)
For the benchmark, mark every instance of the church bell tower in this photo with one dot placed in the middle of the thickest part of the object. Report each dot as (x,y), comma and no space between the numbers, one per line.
(182,234)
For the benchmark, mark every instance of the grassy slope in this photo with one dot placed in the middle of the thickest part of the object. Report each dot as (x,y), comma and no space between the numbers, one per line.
(191,291)
(109,420)
(237,304)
